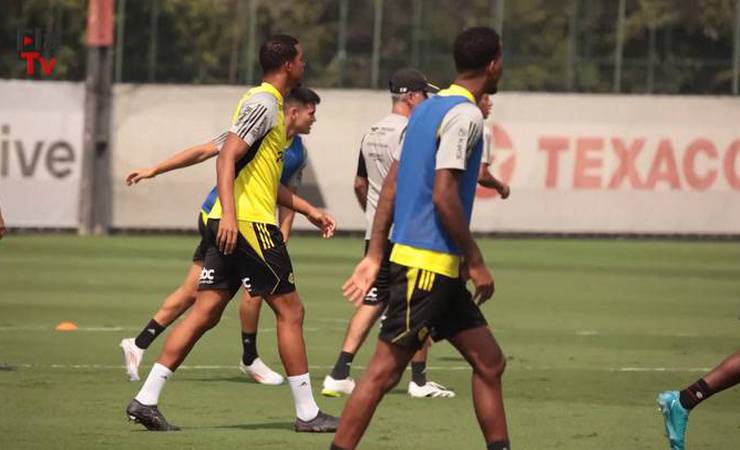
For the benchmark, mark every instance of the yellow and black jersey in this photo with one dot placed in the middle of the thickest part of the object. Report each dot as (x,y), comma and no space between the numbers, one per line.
(259,121)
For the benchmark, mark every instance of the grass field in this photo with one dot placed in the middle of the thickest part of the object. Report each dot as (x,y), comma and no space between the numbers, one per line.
(593,330)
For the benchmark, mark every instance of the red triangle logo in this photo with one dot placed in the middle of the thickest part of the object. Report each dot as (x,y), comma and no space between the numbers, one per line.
(27,41)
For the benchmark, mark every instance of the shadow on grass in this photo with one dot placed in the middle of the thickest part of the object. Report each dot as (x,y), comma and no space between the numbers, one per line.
(287,426)
(234,379)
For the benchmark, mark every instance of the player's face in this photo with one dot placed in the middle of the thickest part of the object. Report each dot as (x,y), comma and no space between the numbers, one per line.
(485,105)
(305,118)
(297,66)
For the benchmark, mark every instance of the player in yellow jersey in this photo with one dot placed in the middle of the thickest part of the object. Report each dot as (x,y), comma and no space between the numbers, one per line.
(245,247)
(300,109)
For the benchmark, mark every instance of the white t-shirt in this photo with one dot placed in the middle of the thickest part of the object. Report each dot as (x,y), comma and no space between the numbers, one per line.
(377,150)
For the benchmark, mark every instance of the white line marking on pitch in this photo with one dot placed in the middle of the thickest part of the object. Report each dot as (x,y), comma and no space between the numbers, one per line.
(312,367)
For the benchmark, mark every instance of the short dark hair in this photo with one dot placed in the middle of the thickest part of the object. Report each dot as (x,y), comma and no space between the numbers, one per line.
(303,96)
(276,51)
(475,48)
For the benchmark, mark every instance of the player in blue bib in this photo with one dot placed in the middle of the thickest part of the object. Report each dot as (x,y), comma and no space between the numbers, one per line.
(428,197)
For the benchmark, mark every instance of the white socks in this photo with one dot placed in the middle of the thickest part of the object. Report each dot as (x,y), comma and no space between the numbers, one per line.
(305,406)
(149,393)
(300,386)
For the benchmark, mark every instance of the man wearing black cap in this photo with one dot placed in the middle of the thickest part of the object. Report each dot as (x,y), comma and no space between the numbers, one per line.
(408,87)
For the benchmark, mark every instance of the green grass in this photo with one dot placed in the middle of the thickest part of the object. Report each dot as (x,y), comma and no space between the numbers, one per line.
(569,314)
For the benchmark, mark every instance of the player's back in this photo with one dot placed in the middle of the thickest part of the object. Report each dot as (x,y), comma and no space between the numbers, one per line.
(378,147)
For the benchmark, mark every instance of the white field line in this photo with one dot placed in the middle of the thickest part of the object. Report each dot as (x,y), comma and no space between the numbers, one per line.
(312,367)
(112,328)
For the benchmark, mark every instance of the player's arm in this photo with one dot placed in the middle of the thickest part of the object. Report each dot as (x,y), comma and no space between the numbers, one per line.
(356,287)
(447,202)
(459,132)
(285,218)
(234,148)
(179,160)
(486,179)
(3,230)
(361,182)
(321,219)
(256,118)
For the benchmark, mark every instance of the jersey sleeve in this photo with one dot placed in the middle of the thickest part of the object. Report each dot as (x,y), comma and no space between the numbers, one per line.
(219,140)
(487,147)
(361,167)
(257,115)
(459,132)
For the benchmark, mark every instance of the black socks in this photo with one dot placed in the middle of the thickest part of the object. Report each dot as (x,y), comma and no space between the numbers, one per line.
(419,373)
(499,445)
(343,365)
(695,394)
(148,334)
(249,343)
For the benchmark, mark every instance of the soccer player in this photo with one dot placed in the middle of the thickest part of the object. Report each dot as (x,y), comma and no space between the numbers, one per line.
(300,112)
(245,247)
(676,405)
(409,88)
(428,197)
(486,178)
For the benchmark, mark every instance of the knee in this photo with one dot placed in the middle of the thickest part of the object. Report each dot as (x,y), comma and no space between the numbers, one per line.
(208,320)
(384,379)
(291,313)
(492,370)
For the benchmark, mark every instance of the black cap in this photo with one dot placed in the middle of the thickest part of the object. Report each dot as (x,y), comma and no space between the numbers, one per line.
(410,80)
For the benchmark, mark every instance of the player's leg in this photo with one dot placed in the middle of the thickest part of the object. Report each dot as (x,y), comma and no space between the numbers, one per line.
(289,314)
(268,272)
(722,377)
(403,332)
(419,386)
(382,374)
(676,405)
(173,307)
(480,349)
(251,364)
(204,315)
(338,382)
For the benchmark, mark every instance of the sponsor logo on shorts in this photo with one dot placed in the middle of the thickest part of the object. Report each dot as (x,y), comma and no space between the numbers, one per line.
(372,295)
(246,282)
(291,278)
(423,333)
(206,276)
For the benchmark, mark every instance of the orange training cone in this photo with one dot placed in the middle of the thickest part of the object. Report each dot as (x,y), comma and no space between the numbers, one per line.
(66,326)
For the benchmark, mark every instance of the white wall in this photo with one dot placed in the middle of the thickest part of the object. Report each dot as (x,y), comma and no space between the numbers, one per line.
(40,150)
(576,163)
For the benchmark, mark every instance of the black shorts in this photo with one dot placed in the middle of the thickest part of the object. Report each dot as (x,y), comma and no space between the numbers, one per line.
(436,306)
(260,261)
(200,251)
(378,293)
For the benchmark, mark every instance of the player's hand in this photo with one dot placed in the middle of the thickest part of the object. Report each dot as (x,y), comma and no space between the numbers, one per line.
(323,221)
(482,280)
(504,191)
(139,174)
(227,234)
(356,287)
